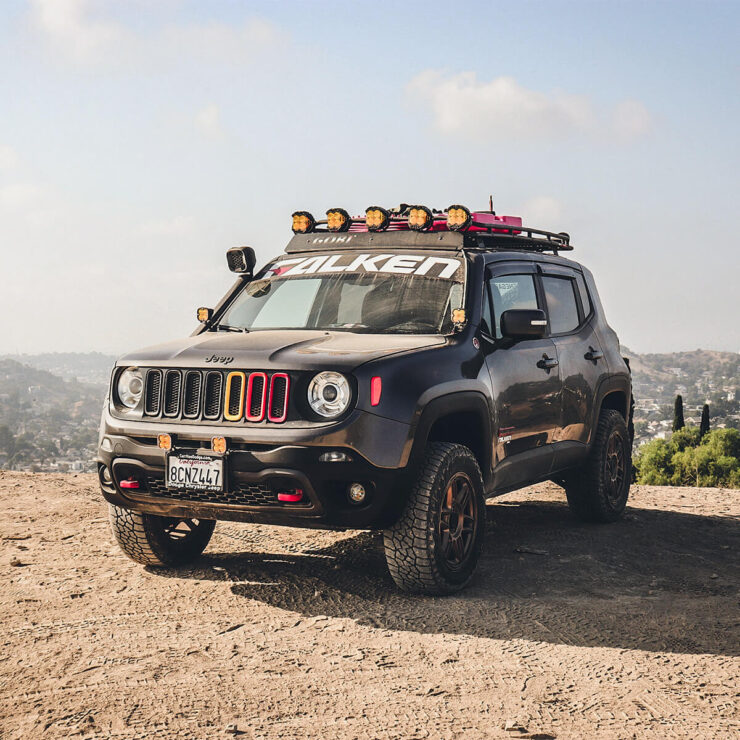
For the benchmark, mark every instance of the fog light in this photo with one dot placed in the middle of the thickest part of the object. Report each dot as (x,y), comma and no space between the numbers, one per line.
(218,444)
(164,441)
(356,493)
(105,476)
(335,456)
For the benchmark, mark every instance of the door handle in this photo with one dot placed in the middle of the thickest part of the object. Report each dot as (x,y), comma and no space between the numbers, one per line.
(594,355)
(547,363)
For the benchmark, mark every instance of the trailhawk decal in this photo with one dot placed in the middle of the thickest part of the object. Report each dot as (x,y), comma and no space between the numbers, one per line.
(395,264)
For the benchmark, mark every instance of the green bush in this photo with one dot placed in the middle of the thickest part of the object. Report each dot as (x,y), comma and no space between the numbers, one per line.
(688,459)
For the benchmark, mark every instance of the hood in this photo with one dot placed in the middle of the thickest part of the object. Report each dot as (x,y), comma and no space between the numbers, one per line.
(281,349)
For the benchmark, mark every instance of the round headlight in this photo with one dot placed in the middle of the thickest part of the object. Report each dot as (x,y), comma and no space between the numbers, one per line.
(329,394)
(130,387)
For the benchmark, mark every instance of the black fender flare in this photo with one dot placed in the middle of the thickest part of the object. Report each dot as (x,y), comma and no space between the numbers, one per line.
(615,383)
(453,403)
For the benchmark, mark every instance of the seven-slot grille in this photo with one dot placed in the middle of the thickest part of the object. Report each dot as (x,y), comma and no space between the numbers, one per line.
(214,395)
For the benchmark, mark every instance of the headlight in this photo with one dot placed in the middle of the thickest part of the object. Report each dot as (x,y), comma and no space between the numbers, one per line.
(130,386)
(329,394)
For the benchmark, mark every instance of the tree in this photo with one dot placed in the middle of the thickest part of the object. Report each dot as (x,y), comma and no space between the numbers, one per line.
(678,422)
(704,426)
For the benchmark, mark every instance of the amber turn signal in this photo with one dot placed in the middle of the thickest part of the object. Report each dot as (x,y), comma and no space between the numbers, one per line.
(377,218)
(218,444)
(164,441)
(303,222)
(458,218)
(337,219)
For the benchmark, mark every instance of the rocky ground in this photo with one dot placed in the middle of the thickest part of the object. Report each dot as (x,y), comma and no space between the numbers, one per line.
(568,630)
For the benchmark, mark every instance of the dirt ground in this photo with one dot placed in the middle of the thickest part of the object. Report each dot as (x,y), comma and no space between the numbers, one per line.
(568,630)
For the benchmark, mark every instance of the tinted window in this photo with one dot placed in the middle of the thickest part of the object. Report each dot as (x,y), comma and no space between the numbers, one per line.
(561,304)
(585,300)
(512,292)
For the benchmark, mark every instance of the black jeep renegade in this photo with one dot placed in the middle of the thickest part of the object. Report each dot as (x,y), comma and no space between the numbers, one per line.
(387,372)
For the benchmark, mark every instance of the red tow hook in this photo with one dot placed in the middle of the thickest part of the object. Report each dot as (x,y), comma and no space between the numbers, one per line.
(129,483)
(291,497)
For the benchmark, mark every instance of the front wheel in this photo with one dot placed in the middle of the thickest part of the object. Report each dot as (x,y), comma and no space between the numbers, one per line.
(434,546)
(159,540)
(598,491)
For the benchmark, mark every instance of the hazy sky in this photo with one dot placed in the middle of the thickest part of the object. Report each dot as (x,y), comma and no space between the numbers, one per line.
(139,140)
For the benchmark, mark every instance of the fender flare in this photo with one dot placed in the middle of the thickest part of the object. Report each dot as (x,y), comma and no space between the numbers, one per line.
(453,403)
(615,383)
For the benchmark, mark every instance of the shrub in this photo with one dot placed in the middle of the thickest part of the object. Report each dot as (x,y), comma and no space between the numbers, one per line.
(688,459)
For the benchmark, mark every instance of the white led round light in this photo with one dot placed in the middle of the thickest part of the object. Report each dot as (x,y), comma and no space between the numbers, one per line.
(329,394)
(130,387)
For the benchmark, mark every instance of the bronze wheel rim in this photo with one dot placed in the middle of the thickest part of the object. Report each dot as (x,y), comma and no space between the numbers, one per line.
(457,521)
(615,468)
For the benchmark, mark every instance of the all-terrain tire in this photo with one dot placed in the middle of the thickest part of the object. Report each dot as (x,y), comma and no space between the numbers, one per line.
(598,490)
(158,540)
(440,521)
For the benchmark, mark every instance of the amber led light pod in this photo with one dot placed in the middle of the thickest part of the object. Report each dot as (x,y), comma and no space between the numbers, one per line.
(377,218)
(420,218)
(303,222)
(458,218)
(218,444)
(337,219)
(164,441)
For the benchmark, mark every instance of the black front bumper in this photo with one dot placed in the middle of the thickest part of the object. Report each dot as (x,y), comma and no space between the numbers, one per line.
(253,479)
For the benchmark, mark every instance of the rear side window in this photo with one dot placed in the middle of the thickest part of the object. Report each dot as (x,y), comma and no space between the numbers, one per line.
(561,304)
(511,292)
(585,300)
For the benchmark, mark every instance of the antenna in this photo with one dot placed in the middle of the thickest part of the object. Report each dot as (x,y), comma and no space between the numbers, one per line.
(490,205)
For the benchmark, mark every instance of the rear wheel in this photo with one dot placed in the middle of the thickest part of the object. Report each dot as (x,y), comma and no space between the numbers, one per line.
(598,491)
(434,546)
(159,540)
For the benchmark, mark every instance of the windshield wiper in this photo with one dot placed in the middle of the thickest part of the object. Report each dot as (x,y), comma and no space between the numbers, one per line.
(226,327)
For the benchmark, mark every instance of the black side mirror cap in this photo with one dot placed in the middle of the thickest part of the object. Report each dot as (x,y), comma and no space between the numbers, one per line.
(523,324)
(241,260)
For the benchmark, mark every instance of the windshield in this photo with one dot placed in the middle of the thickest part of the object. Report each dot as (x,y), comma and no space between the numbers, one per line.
(379,294)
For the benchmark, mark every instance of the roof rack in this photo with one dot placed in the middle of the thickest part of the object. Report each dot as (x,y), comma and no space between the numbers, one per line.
(457,227)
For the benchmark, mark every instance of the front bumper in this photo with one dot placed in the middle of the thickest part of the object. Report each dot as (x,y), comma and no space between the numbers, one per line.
(257,470)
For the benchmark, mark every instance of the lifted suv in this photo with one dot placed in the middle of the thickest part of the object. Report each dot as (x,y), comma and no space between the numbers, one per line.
(387,372)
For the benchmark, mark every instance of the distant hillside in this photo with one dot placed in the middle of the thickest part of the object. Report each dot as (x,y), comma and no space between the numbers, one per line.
(47,422)
(87,367)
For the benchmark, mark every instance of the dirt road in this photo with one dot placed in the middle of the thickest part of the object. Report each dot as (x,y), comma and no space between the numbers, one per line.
(568,631)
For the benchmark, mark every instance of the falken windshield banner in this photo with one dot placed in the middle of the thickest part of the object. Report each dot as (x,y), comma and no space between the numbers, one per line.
(444,265)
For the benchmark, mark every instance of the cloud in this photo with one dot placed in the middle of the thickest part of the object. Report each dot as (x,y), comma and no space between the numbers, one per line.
(20,196)
(503,109)
(208,121)
(80,31)
(8,158)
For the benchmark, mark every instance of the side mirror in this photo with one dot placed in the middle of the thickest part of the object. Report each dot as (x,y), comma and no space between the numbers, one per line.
(523,324)
(241,260)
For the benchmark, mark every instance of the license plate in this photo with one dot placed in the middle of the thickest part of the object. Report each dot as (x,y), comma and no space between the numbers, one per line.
(195,472)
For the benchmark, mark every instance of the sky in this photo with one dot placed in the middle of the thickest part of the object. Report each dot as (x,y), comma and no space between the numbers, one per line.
(140,140)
